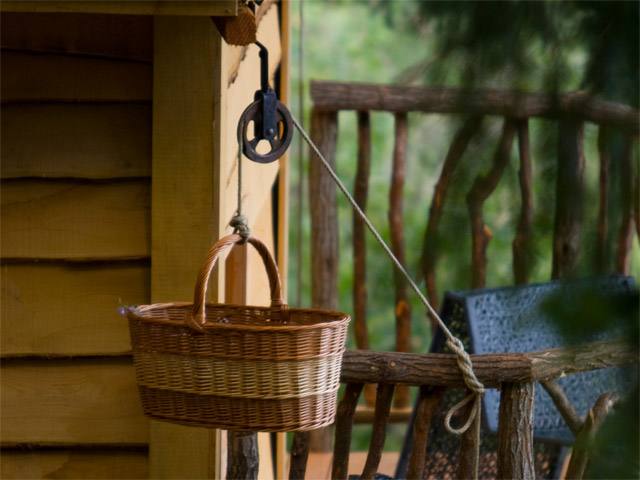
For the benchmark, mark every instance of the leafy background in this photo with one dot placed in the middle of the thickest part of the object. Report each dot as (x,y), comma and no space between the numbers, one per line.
(533,46)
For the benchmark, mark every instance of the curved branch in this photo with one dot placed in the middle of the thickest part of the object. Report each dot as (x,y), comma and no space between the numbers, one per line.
(451,162)
(482,188)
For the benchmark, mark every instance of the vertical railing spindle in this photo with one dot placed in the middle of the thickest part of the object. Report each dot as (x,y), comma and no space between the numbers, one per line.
(430,245)
(344,424)
(483,186)
(324,228)
(381,417)
(569,198)
(396,227)
(522,242)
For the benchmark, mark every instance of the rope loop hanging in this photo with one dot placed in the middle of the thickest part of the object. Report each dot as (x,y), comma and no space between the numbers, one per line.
(462,357)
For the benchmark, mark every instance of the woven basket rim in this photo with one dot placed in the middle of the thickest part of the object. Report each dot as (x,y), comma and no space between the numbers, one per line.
(140,312)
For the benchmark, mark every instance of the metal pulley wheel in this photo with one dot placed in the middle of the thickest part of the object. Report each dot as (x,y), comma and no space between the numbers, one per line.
(271,123)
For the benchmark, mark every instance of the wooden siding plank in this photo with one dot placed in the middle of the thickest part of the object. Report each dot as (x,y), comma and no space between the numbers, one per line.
(128,37)
(92,401)
(89,464)
(81,141)
(74,220)
(34,77)
(69,309)
(205,8)
(188,194)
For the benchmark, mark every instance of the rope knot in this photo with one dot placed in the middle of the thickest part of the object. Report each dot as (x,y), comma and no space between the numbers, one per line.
(240,226)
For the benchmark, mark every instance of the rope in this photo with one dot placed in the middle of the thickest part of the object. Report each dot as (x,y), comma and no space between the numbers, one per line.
(239,222)
(462,357)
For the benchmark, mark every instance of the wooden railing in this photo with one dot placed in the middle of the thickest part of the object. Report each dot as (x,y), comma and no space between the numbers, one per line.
(570,110)
(513,373)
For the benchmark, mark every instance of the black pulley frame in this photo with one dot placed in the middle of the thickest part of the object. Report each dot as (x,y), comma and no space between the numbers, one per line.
(270,119)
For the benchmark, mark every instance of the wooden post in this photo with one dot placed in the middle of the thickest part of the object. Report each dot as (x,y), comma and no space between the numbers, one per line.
(515,432)
(569,198)
(186,158)
(324,228)
(396,227)
(522,243)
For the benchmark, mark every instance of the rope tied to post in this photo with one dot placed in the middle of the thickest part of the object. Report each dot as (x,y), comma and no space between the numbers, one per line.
(455,345)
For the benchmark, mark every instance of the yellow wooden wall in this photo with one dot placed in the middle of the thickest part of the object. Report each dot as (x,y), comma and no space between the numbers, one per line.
(76,233)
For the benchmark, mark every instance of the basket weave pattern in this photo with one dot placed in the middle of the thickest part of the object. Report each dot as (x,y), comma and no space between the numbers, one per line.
(238,367)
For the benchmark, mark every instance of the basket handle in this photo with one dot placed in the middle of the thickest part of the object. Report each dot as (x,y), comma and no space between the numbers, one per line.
(198,315)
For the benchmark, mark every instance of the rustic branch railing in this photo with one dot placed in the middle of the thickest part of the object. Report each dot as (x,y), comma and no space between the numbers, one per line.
(514,373)
(571,110)
(335,96)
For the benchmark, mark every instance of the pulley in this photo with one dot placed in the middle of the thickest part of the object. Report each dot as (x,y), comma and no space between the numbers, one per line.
(265,119)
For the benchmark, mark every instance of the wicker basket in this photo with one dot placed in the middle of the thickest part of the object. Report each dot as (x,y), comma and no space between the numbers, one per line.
(238,367)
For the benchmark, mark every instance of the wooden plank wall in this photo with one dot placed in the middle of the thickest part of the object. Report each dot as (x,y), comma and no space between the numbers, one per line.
(76,199)
(76,156)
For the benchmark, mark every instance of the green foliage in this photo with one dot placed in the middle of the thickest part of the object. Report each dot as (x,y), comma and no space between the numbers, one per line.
(533,46)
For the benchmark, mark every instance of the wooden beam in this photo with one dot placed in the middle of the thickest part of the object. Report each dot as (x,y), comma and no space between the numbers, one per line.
(187,198)
(334,96)
(441,369)
(204,8)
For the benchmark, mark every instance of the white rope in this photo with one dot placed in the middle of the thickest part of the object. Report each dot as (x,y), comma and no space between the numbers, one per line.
(454,343)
